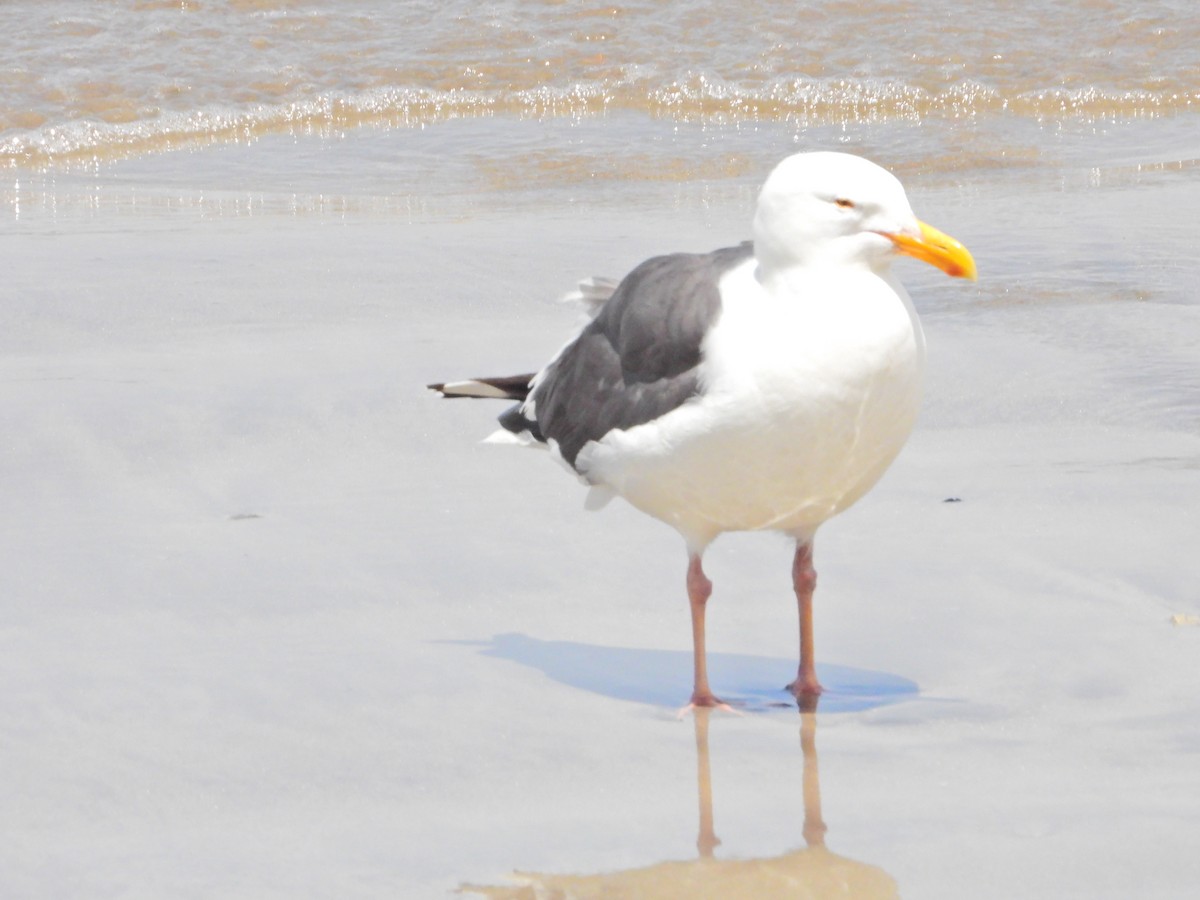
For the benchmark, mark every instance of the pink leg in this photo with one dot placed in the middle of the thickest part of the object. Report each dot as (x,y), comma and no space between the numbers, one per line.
(806,688)
(699,589)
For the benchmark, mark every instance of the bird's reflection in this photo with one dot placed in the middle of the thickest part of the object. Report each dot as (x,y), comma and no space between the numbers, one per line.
(810,872)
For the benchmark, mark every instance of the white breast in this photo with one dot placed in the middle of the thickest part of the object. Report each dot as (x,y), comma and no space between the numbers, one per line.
(809,392)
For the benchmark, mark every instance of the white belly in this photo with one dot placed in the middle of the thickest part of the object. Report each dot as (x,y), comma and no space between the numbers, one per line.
(804,407)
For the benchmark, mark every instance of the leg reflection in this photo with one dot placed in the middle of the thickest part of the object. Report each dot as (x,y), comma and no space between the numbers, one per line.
(811,871)
(707,840)
(814,825)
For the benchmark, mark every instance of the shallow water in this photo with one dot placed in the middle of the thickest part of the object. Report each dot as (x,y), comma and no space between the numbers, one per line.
(85,84)
(275,624)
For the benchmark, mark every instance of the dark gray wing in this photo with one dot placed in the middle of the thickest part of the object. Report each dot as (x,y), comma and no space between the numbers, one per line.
(638,359)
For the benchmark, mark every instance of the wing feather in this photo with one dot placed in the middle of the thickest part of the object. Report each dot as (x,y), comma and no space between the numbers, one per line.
(638,359)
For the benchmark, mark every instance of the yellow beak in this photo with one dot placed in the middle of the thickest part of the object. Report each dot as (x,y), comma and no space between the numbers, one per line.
(937,249)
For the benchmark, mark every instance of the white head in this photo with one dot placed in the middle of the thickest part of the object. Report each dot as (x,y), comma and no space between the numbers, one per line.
(838,209)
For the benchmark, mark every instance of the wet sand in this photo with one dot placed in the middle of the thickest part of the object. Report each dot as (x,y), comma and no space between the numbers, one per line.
(276,624)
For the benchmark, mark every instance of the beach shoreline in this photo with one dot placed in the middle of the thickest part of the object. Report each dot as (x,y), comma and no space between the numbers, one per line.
(253,568)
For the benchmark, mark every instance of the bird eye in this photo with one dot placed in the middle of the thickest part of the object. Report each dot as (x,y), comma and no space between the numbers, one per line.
(844,203)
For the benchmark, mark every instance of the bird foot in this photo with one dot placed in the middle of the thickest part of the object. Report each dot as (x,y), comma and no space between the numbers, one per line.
(705,701)
(807,692)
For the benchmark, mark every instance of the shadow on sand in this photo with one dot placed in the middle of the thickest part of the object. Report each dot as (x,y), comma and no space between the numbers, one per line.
(662,677)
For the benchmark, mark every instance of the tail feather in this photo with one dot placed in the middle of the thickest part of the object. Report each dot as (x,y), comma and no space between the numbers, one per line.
(592,293)
(508,387)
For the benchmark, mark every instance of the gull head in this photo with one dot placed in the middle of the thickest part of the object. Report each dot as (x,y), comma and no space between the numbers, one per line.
(837,209)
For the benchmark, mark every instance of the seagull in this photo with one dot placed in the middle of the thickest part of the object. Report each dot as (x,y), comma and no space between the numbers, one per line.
(762,387)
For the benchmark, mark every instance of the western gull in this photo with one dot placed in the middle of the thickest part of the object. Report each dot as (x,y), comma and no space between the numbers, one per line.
(763,387)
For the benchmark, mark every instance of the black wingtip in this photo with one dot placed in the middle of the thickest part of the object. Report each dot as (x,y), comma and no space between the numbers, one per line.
(509,387)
